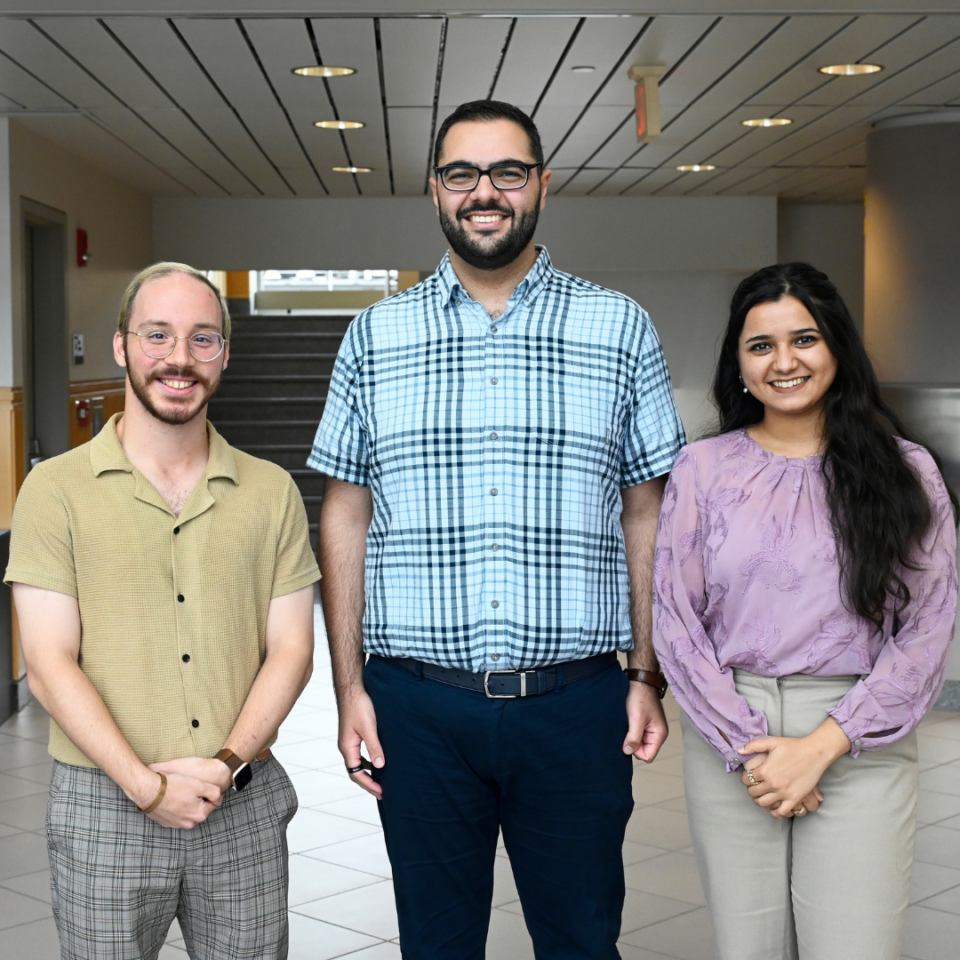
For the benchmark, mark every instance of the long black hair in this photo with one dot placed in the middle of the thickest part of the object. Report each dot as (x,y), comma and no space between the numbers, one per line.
(878,507)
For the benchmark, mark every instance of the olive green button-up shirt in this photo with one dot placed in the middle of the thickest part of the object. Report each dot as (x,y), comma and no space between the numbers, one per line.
(173,609)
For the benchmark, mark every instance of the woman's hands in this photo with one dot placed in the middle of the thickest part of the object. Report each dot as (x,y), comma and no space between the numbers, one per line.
(785,778)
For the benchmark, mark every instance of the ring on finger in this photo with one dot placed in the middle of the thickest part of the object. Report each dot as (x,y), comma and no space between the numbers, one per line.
(800,812)
(357,769)
(753,780)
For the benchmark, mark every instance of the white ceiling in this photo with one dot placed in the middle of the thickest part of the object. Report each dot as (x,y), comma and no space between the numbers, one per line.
(207,105)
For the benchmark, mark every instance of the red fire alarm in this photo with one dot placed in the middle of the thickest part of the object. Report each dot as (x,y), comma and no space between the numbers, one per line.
(83,257)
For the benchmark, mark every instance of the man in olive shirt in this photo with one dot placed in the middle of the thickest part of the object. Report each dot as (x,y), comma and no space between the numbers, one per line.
(164,589)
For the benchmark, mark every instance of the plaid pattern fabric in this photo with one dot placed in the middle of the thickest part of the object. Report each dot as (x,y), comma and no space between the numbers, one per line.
(118,878)
(496,451)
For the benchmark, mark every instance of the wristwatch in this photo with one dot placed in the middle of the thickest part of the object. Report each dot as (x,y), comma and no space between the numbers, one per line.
(240,772)
(652,678)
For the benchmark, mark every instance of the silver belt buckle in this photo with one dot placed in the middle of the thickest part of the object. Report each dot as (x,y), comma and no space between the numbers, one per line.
(505,696)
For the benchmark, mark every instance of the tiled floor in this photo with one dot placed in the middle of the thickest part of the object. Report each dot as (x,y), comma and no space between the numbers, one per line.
(341,898)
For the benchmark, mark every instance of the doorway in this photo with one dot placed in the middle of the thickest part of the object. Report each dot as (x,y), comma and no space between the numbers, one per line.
(46,371)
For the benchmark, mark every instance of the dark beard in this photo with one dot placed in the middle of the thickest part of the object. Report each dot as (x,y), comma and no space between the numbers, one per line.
(177,416)
(504,251)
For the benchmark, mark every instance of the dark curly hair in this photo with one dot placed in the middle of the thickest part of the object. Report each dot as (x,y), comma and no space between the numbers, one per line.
(878,507)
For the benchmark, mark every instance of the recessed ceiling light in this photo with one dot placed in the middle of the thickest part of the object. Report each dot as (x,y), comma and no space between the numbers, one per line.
(850,69)
(339,124)
(767,122)
(696,167)
(583,69)
(353,169)
(323,71)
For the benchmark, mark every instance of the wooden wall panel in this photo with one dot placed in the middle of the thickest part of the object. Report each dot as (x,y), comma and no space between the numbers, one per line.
(108,394)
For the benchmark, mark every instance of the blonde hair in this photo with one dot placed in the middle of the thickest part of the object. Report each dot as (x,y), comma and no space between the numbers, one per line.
(166,268)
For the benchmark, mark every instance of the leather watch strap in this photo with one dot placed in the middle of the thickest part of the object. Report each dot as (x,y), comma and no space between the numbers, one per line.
(239,769)
(652,678)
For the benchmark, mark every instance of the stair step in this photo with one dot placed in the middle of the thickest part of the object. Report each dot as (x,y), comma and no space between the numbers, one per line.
(242,433)
(269,385)
(223,409)
(280,324)
(270,364)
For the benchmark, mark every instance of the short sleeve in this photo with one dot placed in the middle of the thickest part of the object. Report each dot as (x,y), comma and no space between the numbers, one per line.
(340,447)
(41,544)
(654,433)
(296,566)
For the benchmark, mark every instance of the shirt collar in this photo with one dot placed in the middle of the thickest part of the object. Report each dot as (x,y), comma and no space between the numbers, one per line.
(106,453)
(450,287)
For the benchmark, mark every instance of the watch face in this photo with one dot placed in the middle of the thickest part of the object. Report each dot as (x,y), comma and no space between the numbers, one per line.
(242,777)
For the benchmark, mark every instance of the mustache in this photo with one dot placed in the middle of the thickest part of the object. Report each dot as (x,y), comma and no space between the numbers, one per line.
(483,208)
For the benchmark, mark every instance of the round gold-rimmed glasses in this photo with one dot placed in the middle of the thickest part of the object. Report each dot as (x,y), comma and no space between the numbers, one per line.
(158,344)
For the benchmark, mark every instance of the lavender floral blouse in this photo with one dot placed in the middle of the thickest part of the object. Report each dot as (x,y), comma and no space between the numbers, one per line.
(746,575)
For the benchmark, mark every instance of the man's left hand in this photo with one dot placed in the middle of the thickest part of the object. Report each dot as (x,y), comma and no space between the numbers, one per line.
(647,725)
(202,768)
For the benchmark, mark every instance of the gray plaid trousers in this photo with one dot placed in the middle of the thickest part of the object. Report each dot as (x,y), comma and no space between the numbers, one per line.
(118,878)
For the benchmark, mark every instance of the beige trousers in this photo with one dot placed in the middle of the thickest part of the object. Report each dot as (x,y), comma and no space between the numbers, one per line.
(832,885)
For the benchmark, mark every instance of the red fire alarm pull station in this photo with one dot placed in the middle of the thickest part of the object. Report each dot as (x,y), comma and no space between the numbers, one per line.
(83,256)
(83,411)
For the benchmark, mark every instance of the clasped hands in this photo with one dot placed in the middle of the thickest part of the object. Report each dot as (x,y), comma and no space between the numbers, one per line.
(784,778)
(195,788)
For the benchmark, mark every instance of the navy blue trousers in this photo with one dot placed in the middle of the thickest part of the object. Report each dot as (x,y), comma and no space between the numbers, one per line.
(548,771)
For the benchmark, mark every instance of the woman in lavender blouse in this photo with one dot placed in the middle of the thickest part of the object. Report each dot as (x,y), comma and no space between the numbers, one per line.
(805,596)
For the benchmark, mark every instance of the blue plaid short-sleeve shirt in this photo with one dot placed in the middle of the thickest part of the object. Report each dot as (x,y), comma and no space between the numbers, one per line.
(495,451)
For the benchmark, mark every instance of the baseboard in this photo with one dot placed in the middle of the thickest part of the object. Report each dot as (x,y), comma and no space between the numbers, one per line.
(949,698)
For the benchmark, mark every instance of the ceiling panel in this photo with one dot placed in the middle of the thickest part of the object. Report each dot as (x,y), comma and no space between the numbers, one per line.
(592,130)
(352,43)
(617,181)
(470,59)
(652,182)
(91,143)
(23,89)
(156,46)
(410,139)
(221,47)
(578,183)
(859,39)
(535,49)
(410,52)
(664,42)
(940,93)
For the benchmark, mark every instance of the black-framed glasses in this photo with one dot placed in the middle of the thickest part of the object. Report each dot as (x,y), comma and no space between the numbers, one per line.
(158,344)
(461,177)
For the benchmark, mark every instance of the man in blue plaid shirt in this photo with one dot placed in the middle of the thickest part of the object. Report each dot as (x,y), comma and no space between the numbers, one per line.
(496,441)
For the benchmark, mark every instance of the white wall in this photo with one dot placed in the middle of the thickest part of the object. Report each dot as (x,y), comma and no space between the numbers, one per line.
(829,236)
(118,221)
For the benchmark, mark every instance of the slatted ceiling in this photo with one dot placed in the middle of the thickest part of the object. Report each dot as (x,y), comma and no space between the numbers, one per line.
(942,92)
(665,42)
(615,181)
(471,55)
(649,181)
(600,43)
(220,46)
(901,56)
(863,37)
(88,42)
(534,49)
(96,146)
(592,130)
(915,78)
(158,48)
(24,89)
(582,182)
(409,140)
(848,146)
(410,52)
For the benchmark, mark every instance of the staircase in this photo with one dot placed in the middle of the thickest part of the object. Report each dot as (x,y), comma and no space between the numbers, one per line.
(272,393)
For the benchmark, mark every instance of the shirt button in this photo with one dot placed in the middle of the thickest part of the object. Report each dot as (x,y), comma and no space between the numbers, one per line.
(494,604)
(495,657)
(180,597)
(493,436)
(858,743)
(494,492)
(186,658)
(494,381)
(494,546)
(176,529)
(493,329)
(194,724)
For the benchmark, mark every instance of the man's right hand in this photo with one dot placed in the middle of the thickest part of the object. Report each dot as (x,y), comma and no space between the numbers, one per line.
(358,724)
(186,802)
